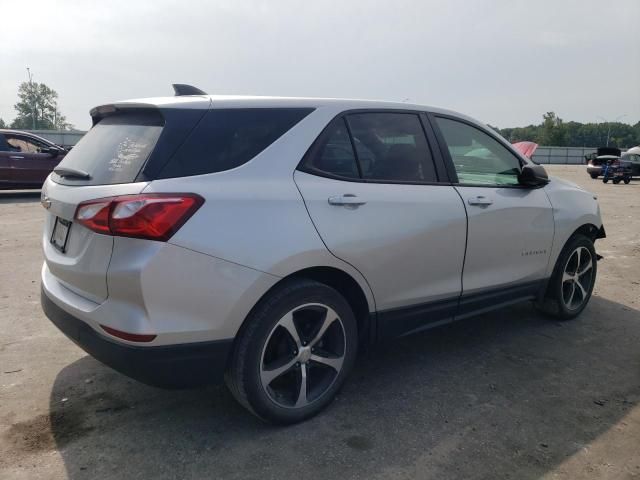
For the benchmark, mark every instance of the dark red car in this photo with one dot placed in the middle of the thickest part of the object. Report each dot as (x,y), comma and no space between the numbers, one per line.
(26,159)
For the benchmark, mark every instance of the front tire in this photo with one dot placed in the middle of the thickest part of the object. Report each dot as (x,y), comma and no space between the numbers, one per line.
(573,279)
(294,352)
(594,175)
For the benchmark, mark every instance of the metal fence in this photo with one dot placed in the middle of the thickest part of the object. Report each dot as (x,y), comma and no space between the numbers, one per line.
(66,138)
(544,155)
(562,155)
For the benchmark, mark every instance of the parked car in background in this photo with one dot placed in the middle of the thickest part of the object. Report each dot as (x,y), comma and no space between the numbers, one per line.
(631,159)
(602,156)
(26,159)
(268,239)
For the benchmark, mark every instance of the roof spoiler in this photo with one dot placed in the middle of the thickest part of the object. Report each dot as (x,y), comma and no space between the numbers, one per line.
(184,89)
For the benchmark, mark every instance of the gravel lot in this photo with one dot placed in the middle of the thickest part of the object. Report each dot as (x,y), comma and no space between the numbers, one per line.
(504,395)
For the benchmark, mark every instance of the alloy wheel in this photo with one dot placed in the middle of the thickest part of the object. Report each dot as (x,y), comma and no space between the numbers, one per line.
(577,278)
(303,355)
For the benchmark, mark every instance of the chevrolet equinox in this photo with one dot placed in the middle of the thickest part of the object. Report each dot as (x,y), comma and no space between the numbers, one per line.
(265,240)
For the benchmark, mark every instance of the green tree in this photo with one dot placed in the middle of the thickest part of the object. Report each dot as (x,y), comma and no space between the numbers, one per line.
(553,130)
(37,108)
(2,124)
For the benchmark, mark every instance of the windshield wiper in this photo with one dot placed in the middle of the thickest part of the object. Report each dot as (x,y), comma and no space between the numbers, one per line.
(72,173)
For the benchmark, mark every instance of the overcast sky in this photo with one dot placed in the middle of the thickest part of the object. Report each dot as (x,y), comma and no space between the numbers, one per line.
(505,62)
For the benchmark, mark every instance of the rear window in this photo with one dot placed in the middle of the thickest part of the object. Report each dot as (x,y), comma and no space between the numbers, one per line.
(114,150)
(227,138)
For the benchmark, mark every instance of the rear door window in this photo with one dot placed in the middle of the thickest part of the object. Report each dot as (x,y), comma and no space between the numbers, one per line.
(227,138)
(392,147)
(114,150)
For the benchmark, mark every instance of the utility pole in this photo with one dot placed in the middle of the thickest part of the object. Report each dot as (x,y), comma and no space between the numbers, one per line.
(609,124)
(33,106)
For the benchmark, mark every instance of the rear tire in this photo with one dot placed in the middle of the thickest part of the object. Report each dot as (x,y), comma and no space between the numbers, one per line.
(627,180)
(605,179)
(594,175)
(294,352)
(572,281)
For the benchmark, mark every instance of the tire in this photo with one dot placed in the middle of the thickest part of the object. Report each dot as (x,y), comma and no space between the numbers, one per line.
(594,175)
(627,180)
(578,288)
(298,308)
(605,179)
(616,181)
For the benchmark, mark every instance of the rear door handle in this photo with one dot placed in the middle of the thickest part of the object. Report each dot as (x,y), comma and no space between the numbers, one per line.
(348,199)
(480,200)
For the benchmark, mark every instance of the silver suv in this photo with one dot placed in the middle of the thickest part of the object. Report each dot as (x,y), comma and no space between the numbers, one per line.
(266,240)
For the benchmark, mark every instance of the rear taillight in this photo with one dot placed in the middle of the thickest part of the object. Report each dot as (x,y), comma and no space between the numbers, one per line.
(153,216)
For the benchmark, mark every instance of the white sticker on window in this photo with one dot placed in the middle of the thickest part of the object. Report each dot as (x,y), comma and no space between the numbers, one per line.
(128,150)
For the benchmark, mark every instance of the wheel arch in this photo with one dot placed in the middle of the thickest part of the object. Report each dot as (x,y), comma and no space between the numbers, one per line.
(343,283)
(589,230)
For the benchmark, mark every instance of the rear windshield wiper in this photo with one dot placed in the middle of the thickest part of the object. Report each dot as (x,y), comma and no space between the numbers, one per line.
(72,173)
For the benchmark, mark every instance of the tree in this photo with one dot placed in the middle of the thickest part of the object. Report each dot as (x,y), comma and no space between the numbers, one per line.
(553,131)
(2,124)
(37,108)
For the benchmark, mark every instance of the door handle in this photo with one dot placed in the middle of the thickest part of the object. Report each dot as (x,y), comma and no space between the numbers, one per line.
(348,199)
(480,200)
(15,157)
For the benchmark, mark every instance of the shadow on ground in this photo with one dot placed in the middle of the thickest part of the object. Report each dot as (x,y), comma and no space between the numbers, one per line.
(510,394)
(19,196)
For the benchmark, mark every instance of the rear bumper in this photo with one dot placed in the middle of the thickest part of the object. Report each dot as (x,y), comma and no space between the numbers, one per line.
(167,366)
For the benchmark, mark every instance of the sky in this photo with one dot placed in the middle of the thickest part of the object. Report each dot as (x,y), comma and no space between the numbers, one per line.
(505,62)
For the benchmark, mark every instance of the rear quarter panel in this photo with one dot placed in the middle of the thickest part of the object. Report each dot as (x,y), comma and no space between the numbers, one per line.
(254,215)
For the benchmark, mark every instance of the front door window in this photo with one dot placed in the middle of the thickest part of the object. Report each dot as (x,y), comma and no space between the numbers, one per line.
(479,159)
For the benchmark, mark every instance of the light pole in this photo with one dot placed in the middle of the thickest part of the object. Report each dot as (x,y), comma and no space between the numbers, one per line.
(33,105)
(609,124)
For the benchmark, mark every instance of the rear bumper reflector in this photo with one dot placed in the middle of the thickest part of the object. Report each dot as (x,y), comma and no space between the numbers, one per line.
(131,337)
(168,366)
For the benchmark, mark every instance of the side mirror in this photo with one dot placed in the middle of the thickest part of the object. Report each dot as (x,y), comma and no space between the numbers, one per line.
(533,176)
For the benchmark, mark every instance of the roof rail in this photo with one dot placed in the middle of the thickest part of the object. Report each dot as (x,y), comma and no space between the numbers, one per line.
(184,89)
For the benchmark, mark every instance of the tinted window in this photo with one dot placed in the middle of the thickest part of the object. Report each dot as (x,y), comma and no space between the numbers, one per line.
(228,138)
(115,149)
(333,154)
(391,146)
(478,158)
